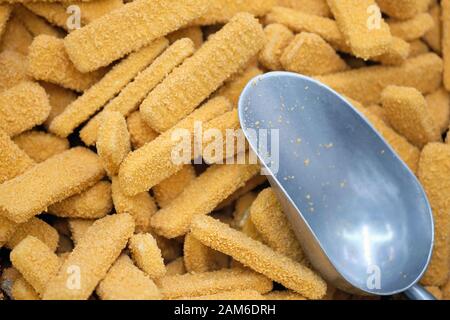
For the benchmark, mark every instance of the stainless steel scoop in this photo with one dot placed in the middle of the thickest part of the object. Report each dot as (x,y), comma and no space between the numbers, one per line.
(360,214)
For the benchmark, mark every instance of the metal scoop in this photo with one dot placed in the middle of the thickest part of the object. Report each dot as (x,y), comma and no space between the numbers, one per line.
(360,214)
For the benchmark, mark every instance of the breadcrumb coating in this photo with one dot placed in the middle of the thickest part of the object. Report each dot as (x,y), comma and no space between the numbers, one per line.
(283,295)
(5,12)
(94,203)
(53,12)
(413,28)
(171,187)
(398,52)
(13,69)
(175,267)
(366,84)
(113,143)
(229,295)
(128,29)
(13,160)
(36,25)
(403,9)
(220,57)
(258,256)
(194,33)
(78,228)
(36,228)
(406,109)
(7,229)
(439,108)
(39,145)
(222,11)
(22,107)
(48,61)
(434,36)
(140,132)
(16,37)
(22,290)
(434,166)
(48,182)
(92,10)
(272,224)
(278,38)
(59,99)
(151,164)
(200,197)
(446,41)
(101,92)
(207,283)
(36,262)
(147,255)
(91,258)
(309,54)
(134,93)
(200,258)
(315,7)
(124,281)
(366,35)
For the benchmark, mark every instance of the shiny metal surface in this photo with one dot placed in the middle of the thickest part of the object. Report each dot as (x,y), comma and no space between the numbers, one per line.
(360,214)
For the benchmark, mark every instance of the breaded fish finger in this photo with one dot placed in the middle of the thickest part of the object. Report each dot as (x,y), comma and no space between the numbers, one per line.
(140,132)
(40,145)
(13,69)
(446,41)
(100,93)
(48,182)
(78,228)
(353,18)
(53,12)
(316,7)
(278,38)
(412,29)
(365,84)
(220,57)
(434,36)
(36,262)
(403,9)
(37,228)
(16,37)
(434,170)
(173,186)
(94,203)
(229,295)
(406,110)
(22,107)
(59,99)
(22,290)
(140,206)
(92,10)
(175,267)
(91,258)
(151,164)
(309,54)
(272,224)
(147,255)
(249,186)
(439,108)
(200,197)
(132,95)
(36,25)
(200,258)
(48,61)
(124,281)
(258,256)
(127,29)
(207,283)
(417,48)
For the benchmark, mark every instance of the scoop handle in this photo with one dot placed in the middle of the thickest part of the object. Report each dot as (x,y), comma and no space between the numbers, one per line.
(417,292)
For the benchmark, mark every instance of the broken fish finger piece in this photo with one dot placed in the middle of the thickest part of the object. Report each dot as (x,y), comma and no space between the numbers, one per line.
(37,228)
(278,38)
(48,182)
(40,145)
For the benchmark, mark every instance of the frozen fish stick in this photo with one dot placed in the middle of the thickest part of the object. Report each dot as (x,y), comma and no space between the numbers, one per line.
(259,257)
(37,228)
(124,281)
(147,255)
(200,258)
(412,29)
(40,145)
(140,132)
(309,54)
(278,38)
(78,228)
(229,295)
(439,108)
(249,186)
(434,165)
(5,12)
(36,262)
(207,283)
(53,12)
(100,93)
(406,110)
(48,182)
(194,33)
(200,197)
(13,69)
(113,143)
(434,36)
(94,203)
(366,38)
(129,28)
(403,9)
(272,224)
(132,95)
(365,84)
(91,258)
(48,61)
(151,164)
(221,11)
(22,107)
(446,41)
(22,290)
(16,37)
(36,25)
(59,99)
(92,10)
(140,206)
(316,7)
(219,58)
(173,186)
